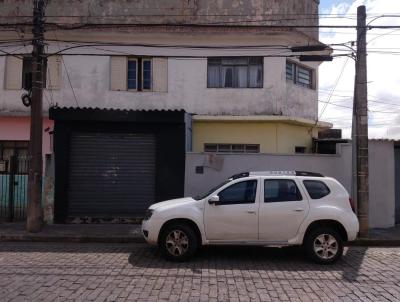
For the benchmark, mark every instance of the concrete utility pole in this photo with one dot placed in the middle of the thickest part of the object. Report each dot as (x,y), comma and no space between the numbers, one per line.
(34,216)
(361,123)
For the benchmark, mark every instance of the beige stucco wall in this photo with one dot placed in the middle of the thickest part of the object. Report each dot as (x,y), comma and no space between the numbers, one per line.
(273,137)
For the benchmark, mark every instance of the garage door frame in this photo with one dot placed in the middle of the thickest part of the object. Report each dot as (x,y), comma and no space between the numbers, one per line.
(168,127)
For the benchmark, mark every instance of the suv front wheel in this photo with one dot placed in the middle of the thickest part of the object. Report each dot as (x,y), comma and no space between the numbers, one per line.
(324,246)
(178,242)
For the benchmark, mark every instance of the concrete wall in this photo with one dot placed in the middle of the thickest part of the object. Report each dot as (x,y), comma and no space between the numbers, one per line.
(172,11)
(382,182)
(273,137)
(18,129)
(187,89)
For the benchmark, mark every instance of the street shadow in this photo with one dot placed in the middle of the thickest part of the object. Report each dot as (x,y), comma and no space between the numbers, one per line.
(254,258)
(216,258)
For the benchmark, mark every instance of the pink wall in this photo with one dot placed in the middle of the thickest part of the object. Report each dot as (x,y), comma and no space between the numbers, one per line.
(17,128)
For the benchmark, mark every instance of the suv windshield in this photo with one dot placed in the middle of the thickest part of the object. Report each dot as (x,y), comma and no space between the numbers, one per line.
(202,196)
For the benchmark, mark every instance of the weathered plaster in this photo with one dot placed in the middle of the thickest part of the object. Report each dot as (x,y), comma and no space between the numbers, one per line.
(226,12)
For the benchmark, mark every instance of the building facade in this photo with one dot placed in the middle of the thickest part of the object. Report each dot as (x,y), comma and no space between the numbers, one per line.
(226,64)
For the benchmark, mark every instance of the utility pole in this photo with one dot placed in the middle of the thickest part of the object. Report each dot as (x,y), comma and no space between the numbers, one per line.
(34,216)
(361,123)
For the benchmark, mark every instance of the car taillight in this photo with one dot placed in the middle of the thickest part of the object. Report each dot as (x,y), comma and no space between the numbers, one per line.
(352,204)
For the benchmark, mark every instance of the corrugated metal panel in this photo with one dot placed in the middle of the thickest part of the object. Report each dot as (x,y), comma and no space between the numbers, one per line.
(111,175)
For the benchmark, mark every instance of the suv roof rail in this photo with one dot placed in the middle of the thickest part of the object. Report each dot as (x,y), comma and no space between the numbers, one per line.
(311,174)
(276,173)
(282,173)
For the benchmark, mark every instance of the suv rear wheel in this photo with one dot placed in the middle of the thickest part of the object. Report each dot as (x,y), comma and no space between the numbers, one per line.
(324,246)
(178,242)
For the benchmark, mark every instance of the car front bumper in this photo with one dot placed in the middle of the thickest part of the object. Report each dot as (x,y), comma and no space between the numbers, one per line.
(150,231)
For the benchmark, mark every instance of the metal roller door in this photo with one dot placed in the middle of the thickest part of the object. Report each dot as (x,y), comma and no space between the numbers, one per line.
(111,175)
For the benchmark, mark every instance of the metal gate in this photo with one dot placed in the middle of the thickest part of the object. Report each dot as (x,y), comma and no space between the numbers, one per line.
(13,189)
(111,175)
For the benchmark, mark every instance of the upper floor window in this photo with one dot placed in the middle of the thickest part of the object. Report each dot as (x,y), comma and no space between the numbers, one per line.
(18,72)
(237,72)
(139,75)
(299,74)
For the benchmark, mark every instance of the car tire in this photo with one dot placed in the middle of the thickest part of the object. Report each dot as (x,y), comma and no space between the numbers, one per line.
(323,246)
(178,242)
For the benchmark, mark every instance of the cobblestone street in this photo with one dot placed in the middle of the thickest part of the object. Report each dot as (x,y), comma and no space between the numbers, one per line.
(135,272)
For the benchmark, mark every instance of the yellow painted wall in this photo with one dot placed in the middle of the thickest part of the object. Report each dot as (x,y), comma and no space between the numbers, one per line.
(273,137)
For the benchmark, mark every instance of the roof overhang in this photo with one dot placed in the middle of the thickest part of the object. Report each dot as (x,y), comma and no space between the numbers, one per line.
(116,115)
(262,118)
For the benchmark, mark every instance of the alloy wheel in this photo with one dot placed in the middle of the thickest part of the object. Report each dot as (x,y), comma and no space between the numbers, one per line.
(326,246)
(177,243)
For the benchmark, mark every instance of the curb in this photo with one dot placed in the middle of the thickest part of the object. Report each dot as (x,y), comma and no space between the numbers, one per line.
(137,239)
(77,239)
(375,242)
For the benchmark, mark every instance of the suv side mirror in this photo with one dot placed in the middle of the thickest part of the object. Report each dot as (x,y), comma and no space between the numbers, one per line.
(214,200)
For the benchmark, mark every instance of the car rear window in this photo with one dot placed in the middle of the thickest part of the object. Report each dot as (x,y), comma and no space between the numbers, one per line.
(316,189)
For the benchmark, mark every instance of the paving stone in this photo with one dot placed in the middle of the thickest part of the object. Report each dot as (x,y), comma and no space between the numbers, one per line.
(135,272)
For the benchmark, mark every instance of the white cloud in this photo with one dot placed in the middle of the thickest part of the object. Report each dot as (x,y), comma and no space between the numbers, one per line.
(383,69)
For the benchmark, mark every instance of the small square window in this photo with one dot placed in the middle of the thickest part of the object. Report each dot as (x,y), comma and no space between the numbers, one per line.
(139,74)
(299,75)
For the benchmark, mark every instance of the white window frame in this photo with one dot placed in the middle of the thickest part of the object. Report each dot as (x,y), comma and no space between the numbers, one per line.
(295,74)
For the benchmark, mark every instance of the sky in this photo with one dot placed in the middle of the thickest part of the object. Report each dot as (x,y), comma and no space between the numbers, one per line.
(336,79)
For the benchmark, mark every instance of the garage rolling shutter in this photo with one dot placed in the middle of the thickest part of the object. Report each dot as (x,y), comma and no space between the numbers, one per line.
(111,175)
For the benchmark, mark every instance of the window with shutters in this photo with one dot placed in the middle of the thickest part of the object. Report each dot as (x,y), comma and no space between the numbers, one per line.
(27,73)
(299,74)
(238,72)
(139,74)
(18,73)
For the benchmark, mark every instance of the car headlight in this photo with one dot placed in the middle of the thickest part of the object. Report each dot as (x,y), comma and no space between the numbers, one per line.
(148,214)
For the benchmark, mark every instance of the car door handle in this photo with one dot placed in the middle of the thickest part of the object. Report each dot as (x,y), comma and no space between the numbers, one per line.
(299,210)
(251,212)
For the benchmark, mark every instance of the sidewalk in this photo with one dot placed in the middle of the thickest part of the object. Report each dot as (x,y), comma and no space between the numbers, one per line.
(113,233)
(123,233)
(381,237)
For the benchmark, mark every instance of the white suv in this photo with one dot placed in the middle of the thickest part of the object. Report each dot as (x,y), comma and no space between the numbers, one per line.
(276,208)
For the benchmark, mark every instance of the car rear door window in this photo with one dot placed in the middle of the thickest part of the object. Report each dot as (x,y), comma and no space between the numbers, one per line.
(316,189)
(281,190)
(238,193)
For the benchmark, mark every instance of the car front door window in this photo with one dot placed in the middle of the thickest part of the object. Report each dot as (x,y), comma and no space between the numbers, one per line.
(239,193)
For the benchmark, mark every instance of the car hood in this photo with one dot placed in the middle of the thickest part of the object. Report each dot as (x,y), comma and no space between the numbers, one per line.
(172,202)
